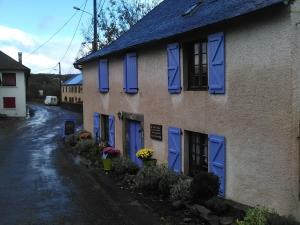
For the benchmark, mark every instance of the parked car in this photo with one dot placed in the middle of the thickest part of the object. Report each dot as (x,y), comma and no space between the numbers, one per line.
(51,100)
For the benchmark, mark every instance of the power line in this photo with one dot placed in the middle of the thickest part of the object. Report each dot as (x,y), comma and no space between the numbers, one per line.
(68,48)
(52,36)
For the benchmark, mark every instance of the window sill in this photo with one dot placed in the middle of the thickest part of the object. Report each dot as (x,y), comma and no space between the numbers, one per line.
(9,108)
(201,89)
(8,86)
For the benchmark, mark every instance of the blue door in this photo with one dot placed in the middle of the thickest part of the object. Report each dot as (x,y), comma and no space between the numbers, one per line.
(134,139)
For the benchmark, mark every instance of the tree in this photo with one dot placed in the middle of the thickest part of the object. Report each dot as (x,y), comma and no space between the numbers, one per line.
(117,17)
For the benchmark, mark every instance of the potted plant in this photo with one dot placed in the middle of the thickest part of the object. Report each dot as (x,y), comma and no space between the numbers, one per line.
(107,154)
(145,154)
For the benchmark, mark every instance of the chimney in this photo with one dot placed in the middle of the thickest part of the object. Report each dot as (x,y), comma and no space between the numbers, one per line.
(20,57)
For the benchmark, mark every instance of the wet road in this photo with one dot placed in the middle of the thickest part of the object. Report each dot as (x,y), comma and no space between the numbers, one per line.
(40,184)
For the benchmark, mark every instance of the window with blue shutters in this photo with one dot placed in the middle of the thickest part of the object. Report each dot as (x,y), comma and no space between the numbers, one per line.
(103,76)
(216,62)
(130,73)
(111,134)
(174,77)
(174,149)
(216,155)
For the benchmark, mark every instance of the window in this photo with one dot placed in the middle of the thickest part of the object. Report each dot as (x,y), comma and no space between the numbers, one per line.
(104,128)
(197,66)
(66,99)
(198,152)
(9,79)
(79,99)
(75,89)
(70,99)
(9,102)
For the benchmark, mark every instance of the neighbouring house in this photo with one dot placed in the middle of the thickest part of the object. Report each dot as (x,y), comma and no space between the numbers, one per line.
(71,90)
(210,86)
(13,79)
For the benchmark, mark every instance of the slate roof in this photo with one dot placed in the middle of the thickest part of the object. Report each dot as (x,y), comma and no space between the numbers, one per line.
(167,20)
(76,80)
(8,63)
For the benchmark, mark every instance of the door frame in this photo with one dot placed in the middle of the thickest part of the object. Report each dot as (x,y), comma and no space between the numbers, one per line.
(131,116)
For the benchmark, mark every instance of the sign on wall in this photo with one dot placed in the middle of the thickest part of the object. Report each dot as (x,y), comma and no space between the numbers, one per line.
(156,132)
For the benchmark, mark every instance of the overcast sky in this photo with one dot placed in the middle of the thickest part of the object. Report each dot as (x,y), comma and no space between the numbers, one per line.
(26,24)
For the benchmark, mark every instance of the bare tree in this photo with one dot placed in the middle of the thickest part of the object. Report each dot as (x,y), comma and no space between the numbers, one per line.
(117,17)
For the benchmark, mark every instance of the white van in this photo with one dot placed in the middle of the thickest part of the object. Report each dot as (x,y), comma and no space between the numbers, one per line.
(51,100)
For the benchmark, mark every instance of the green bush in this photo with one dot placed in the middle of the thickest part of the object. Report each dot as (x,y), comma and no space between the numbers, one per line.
(204,186)
(148,178)
(255,216)
(84,146)
(275,219)
(123,166)
(181,190)
(167,179)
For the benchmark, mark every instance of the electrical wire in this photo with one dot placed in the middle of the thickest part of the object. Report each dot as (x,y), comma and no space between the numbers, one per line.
(52,36)
(68,48)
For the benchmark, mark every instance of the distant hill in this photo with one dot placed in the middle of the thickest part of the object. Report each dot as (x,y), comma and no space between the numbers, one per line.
(48,83)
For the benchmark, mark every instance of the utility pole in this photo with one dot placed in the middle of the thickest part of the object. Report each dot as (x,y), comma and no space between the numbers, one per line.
(95,42)
(59,73)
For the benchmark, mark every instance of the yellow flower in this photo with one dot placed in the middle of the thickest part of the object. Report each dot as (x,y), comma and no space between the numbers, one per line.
(144,153)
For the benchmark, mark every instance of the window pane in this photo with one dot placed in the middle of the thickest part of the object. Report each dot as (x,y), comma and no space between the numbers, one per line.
(204,47)
(196,48)
(196,60)
(196,70)
(204,59)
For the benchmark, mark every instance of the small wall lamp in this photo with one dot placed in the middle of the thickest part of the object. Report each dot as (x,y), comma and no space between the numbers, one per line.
(120,116)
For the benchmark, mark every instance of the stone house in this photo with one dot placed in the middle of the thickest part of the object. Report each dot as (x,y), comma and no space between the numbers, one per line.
(209,85)
(13,79)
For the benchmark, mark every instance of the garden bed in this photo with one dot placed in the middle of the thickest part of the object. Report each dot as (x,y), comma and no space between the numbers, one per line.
(176,198)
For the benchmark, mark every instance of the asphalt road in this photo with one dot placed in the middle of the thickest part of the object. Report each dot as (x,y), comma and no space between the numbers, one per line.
(41,184)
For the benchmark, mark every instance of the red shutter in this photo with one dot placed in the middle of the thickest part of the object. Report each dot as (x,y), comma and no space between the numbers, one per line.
(9,79)
(9,102)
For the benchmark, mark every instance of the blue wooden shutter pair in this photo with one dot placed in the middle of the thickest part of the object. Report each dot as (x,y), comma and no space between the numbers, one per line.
(130,73)
(103,76)
(174,77)
(216,63)
(111,132)
(96,120)
(216,155)
(174,149)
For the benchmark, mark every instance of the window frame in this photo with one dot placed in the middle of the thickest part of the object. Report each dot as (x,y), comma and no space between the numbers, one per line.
(190,55)
(198,147)
(9,74)
(5,102)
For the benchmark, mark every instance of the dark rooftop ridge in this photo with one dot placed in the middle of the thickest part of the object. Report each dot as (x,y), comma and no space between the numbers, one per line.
(166,21)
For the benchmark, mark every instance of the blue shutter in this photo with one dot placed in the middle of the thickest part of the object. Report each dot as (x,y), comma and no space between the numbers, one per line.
(111,134)
(216,152)
(103,75)
(97,126)
(130,73)
(174,146)
(216,63)
(174,78)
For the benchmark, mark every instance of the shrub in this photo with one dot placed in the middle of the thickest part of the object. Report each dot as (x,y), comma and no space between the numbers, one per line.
(181,190)
(122,166)
(148,178)
(275,219)
(167,179)
(255,216)
(204,186)
(84,146)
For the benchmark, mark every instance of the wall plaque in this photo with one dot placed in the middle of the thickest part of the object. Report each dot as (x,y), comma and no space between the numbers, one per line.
(156,132)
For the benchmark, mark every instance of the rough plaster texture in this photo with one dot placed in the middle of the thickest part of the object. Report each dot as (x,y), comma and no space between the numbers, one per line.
(258,115)
(18,92)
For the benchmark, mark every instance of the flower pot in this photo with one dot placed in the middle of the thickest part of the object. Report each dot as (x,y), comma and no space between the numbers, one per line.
(107,164)
(149,162)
